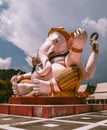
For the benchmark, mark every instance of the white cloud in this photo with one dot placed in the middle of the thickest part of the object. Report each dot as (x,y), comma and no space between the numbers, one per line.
(100,25)
(5,63)
(23,25)
(18,25)
(1,2)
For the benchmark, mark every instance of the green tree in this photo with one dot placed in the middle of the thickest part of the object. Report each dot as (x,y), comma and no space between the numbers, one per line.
(5,84)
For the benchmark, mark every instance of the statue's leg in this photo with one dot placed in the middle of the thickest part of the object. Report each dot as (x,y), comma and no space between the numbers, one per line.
(24,84)
(42,84)
(67,81)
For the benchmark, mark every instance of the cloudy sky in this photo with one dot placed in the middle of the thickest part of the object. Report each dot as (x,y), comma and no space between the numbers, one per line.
(24,25)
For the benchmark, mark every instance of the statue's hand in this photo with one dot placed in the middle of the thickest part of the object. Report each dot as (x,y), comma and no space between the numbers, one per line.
(95,46)
(80,38)
(14,79)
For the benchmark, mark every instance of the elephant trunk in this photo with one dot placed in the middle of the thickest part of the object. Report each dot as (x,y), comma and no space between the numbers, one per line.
(45,66)
(43,69)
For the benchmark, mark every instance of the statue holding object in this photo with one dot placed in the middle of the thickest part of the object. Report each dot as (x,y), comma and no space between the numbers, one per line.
(58,69)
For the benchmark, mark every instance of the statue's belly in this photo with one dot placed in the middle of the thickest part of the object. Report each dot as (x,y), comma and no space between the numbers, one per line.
(56,68)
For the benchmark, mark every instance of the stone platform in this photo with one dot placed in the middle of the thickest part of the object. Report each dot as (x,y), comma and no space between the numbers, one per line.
(40,100)
(48,107)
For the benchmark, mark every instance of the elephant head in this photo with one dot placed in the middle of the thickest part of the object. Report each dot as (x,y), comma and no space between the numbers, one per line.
(54,44)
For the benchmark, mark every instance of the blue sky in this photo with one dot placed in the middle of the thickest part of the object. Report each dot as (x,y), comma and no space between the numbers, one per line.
(24,25)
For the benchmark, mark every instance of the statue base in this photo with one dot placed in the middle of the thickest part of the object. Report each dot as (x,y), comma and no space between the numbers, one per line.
(48,107)
(45,100)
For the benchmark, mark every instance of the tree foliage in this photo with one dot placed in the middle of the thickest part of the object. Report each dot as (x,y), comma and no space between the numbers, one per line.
(5,84)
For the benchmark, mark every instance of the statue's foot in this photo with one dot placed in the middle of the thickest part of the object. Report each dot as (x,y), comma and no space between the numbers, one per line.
(41,87)
(14,88)
(21,88)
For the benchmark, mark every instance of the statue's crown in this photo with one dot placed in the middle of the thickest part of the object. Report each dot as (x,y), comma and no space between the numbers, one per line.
(61,30)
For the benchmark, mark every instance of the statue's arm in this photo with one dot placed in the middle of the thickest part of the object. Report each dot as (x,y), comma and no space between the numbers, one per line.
(90,67)
(24,76)
(18,78)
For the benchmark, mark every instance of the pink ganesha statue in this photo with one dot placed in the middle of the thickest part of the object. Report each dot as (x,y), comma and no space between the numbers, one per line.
(58,69)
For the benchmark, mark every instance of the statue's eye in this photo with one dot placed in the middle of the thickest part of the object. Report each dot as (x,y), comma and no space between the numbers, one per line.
(56,40)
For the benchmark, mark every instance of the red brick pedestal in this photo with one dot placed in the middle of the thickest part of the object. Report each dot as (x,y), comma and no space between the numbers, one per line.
(47,107)
(40,100)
